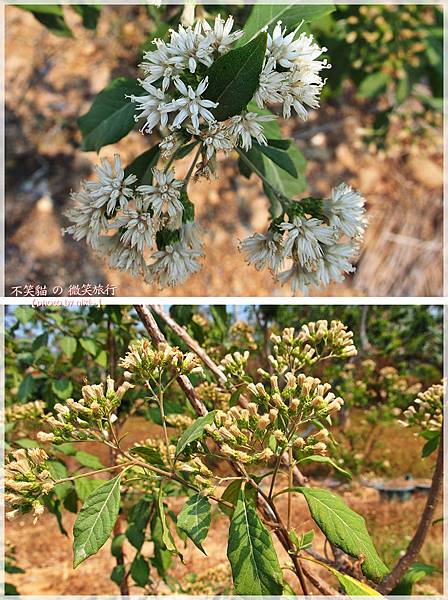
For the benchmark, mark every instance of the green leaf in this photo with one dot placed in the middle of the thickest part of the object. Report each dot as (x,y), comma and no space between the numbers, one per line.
(89,346)
(373,85)
(351,586)
(195,519)
(167,538)
(151,455)
(280,157)
(11,590)
(194,432)
(430,446)
(84,486)
(118,573)
(140,571)
(345,529)
(26,443)
(68,346)
(51,16)
(136,529)
(111,115)
(88,460)
(59,471)
(267,15)
(90,14)
(415,572)
(102,359)
(40,341)
(96,520)
(231,494)
(255,567)
(304,541)
(162,558)
(24,314)
(142,166)
(116,547)
(326,460)
(63,388)
(26,388)
(234,77)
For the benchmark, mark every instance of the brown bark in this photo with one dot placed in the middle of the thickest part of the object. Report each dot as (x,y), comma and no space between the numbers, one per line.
(157,337)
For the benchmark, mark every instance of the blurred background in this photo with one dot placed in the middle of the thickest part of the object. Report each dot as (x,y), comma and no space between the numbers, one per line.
(50,352)
(379,128)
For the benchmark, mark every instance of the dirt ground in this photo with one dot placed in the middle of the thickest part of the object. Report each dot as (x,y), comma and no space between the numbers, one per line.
(48,566)
(50,81)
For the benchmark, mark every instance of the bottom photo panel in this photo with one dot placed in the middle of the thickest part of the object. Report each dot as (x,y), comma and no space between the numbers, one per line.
(224,450)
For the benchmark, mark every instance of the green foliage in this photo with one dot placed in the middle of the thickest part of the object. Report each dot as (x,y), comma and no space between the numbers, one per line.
(234,77)
(51,16)
(194,432)
(267,15)
(255,567)
(345,529)
(96,520)
(142,166)
(195,519)
(111,115)
(414,574)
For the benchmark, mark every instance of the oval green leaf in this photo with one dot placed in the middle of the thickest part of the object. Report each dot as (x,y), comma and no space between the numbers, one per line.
(255,567)
(234,77)
(194,432)
(195,519)
(96,520)
(344,528)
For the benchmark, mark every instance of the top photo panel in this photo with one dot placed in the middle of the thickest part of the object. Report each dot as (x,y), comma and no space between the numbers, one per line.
(224,150)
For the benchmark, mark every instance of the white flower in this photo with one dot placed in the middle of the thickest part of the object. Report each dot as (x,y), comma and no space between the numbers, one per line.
(160,64)
(307,52)
(305,236)
(191,105)
(300,94)
(127,259)
(188,47)
(271,85)
(216,138)
(88,221)
(154,107)
(248,125)
(345,211)
(264,250)
(112,188)
(163,196)
(220,37)
(190,236)
(138,224)
(335,262)
(282,48)
(168,145)
(299,278)
(173,265)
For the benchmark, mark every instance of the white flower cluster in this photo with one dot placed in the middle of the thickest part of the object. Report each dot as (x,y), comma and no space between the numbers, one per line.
(319,250)
(290,76)
(122,223)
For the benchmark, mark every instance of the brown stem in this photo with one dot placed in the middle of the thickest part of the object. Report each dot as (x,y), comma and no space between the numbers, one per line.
(388,584)
(190,342)
(156,335)
(319,584)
